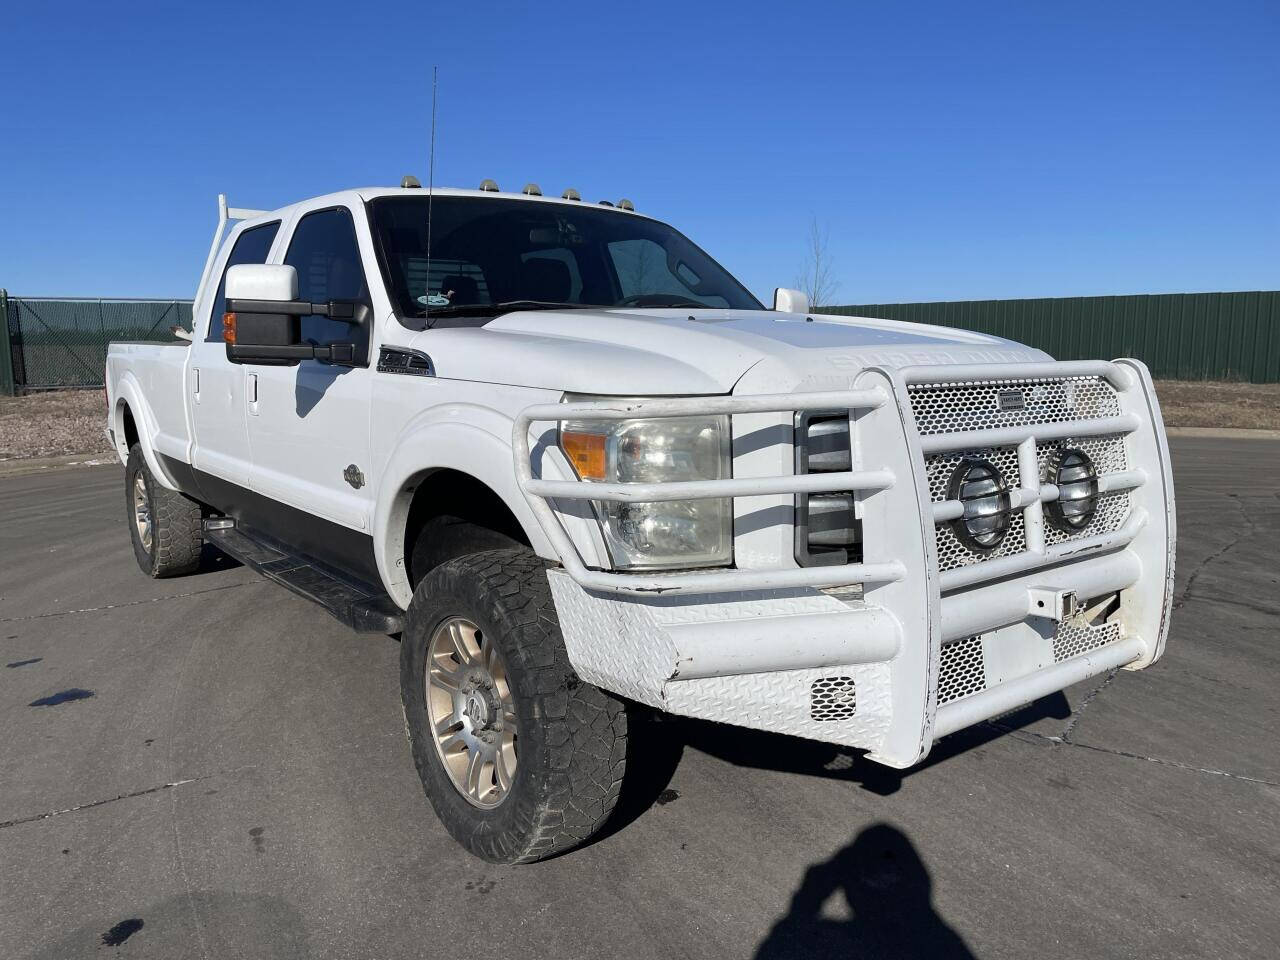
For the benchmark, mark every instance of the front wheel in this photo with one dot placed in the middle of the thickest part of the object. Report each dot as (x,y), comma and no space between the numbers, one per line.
(520,759)
(165,525)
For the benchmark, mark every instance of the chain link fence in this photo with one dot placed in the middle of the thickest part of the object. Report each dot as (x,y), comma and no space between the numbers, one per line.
(59,343)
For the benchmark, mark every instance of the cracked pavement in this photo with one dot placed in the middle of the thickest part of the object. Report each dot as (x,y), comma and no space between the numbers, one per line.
(219,769)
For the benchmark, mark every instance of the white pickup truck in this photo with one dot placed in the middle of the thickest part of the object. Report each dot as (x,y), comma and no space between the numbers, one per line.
(579,468)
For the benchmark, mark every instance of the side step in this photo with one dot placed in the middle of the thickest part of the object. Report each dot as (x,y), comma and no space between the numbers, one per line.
(361,606)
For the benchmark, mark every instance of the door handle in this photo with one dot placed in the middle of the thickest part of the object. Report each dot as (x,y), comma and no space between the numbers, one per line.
(195,383)
(252,389)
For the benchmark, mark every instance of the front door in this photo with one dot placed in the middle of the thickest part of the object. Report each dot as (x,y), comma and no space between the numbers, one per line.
(309,423)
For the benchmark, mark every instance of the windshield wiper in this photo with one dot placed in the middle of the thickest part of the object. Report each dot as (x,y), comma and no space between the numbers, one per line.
(506,306)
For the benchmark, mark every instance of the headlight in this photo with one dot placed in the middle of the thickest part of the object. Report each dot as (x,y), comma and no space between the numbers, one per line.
(1077,481)
(979,485)
(676,533)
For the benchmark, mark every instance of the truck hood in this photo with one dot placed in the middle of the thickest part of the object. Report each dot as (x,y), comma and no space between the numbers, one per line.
(672,352)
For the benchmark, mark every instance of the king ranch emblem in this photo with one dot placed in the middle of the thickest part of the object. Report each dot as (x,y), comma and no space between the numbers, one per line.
(1010,400)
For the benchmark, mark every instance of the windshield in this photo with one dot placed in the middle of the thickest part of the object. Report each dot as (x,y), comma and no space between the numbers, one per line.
(491,252)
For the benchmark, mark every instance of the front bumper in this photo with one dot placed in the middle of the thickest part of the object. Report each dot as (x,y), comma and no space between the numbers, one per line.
(910,654)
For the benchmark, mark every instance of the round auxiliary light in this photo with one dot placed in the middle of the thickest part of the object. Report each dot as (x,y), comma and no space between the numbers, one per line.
(981,488)
(1077,480)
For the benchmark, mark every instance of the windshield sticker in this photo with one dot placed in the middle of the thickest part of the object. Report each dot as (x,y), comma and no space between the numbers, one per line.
(434,300)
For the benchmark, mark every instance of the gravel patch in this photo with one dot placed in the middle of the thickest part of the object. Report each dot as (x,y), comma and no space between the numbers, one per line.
(53,424)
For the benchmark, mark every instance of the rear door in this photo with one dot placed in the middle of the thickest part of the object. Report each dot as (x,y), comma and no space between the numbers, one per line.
(216,385)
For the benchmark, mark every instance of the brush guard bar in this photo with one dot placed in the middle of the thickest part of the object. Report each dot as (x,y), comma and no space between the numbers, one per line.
(537,492)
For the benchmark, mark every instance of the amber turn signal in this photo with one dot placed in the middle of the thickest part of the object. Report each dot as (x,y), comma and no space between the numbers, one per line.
(586,451)
(229,327)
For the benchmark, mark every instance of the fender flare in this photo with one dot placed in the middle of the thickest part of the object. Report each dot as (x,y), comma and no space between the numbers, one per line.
(479,446)
(129,392)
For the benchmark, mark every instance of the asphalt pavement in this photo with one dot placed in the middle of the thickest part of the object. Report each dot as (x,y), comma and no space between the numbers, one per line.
(212,767)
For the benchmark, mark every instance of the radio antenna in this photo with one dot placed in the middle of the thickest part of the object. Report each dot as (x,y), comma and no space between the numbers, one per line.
(431,186)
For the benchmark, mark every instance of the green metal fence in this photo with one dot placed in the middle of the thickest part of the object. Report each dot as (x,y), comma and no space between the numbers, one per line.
(1182,336)
(56,342)
(60,343)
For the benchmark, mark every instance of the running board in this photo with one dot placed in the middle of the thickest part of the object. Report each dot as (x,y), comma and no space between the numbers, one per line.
(361,606)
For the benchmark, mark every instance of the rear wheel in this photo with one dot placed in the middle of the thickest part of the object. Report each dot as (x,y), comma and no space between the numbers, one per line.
(164,525)
(520,759)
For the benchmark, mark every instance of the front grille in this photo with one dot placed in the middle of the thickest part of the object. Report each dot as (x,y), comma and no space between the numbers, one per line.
(941,408)
(984,404)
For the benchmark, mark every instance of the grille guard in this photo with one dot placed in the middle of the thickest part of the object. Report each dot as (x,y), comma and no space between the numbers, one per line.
(900,566)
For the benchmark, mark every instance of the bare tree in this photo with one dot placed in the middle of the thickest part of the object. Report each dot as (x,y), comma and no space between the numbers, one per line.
(816,277)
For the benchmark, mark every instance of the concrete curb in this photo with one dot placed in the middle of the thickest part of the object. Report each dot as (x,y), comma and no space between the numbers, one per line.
(1225,433)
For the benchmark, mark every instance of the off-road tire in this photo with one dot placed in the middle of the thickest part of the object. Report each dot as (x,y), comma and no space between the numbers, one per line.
(572,736)
(176,532)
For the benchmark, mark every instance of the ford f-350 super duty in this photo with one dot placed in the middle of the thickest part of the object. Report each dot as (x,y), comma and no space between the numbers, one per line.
(581,471)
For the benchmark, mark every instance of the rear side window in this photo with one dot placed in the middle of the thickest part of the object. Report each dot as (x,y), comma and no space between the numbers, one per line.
(252,246)
(325,254)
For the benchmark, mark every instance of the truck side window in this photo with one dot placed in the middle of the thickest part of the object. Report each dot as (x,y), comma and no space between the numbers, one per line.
(326,255)
(252,246)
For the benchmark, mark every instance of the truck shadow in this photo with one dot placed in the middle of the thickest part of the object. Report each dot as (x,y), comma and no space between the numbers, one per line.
(657,751)
(887,908)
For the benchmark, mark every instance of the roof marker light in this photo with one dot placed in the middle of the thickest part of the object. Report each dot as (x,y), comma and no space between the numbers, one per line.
(489,186)
(532,189)
(570,194)
(409,181)
(625,204)
(605,203)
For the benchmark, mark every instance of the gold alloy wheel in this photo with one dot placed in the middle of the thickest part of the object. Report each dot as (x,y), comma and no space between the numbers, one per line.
(142,510)
(471,712)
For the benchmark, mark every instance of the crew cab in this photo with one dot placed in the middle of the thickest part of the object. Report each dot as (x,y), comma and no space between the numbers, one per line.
(582,472)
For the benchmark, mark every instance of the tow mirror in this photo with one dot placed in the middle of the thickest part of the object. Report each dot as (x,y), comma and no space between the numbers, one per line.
(263,323)
(790,301)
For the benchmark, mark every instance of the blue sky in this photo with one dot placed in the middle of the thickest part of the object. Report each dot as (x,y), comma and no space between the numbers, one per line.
(955,150)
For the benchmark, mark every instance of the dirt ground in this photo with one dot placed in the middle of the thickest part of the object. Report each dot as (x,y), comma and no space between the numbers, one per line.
(70,421)
(53,424)
(1187,403)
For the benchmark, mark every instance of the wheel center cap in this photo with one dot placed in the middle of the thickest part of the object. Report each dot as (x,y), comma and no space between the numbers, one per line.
(476,710)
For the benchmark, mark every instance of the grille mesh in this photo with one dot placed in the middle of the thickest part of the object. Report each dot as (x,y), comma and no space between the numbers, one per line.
(975,405)
(1071,640)
(962,670)
(832,698)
